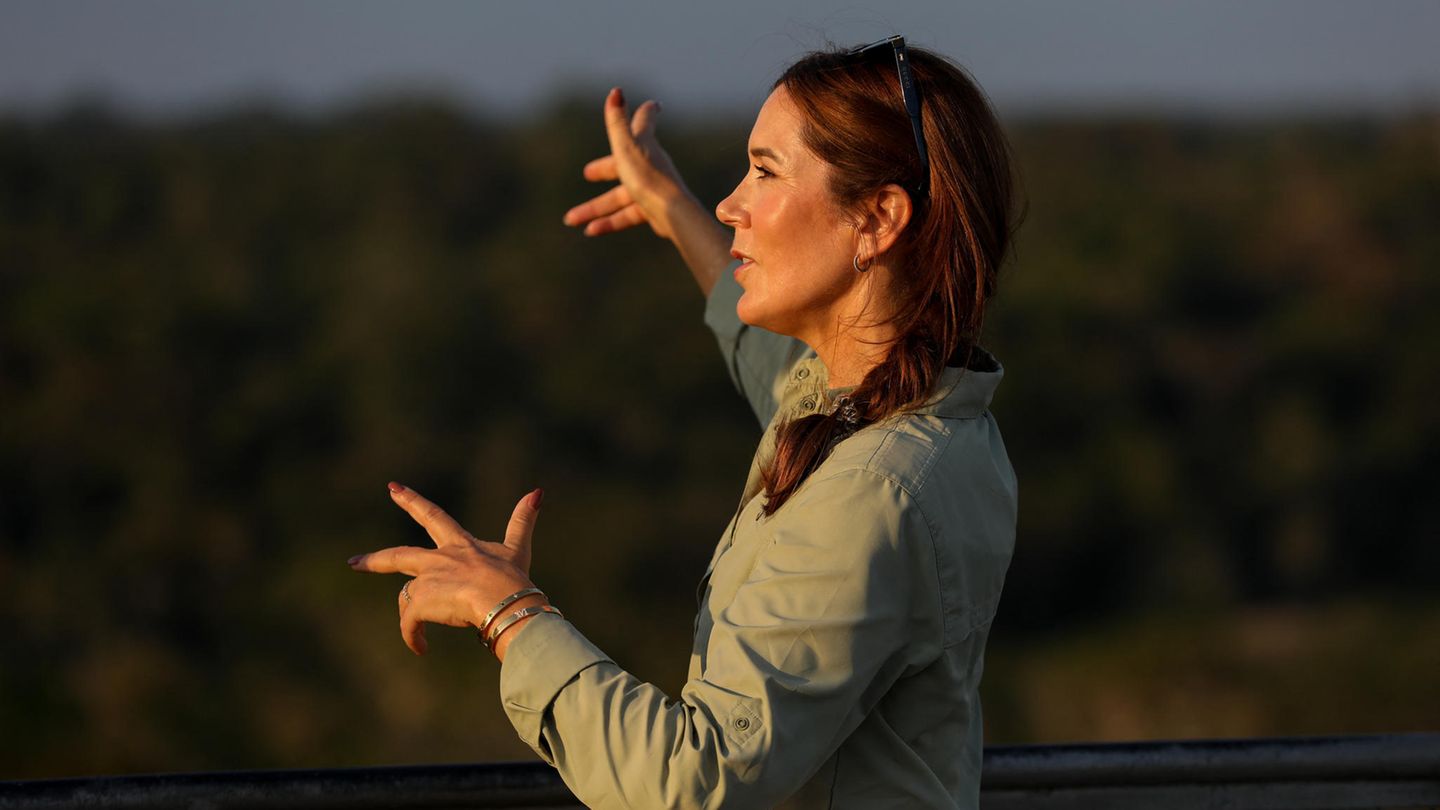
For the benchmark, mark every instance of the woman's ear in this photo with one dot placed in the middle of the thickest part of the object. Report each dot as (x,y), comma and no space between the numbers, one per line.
(886,217)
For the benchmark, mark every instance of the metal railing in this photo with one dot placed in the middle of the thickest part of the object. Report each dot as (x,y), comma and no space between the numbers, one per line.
(1309,773)
(1313,773)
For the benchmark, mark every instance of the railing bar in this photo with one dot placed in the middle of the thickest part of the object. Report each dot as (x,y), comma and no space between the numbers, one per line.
(1395,756)
(1407,763)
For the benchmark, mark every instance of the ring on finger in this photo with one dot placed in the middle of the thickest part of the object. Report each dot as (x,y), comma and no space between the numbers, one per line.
(405,591)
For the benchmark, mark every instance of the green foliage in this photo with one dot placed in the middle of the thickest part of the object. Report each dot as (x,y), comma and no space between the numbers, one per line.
(219,339)
(1356,667)
(1219,339)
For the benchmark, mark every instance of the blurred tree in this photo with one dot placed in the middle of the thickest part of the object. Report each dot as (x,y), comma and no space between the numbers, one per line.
(219,339)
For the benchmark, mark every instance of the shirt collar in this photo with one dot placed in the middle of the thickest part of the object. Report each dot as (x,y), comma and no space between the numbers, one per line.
(961,393)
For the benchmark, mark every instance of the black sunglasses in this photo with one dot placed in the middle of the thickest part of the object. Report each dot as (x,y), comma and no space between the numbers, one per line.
(911,94)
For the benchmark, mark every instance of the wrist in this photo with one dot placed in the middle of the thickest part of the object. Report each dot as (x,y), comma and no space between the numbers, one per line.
(703,242)
(500,643)
(486,609)
(681,210)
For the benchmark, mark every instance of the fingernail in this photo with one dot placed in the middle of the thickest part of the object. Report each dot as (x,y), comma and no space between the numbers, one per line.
(354,559)
(621,94)
(394,487)
(536,497)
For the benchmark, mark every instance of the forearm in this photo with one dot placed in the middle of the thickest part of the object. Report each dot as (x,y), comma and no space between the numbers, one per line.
(627,745)
(703,242)
(621,743)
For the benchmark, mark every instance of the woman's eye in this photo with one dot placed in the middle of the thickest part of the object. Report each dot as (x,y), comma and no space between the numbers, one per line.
(761,171)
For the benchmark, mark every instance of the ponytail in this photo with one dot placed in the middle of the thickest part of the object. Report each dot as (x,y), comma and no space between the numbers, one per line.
(904,379)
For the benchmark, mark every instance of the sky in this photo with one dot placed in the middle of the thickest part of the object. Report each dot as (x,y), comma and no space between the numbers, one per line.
(175,57)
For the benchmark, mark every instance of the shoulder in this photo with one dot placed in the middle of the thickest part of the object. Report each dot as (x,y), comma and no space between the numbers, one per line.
(958,484)
(956,471)
(921,451)
(851,507)
(878,477)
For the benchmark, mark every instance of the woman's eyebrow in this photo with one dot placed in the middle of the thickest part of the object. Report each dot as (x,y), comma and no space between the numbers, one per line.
(765,151)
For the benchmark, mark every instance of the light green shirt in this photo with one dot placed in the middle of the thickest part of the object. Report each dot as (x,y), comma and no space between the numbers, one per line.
(838,646)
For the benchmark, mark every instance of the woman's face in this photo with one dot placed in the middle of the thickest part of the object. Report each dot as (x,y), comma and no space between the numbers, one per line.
(795,244)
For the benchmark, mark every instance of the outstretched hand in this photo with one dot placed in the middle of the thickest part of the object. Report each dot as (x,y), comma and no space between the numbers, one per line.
(649,186)
(457,582)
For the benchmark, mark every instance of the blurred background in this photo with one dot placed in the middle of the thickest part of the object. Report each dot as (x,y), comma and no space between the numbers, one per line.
(258,259)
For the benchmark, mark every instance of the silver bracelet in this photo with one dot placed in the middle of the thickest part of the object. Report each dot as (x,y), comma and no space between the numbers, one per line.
(505,623)
(504,603)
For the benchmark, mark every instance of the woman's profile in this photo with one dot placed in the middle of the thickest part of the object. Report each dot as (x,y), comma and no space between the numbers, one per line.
(843,616)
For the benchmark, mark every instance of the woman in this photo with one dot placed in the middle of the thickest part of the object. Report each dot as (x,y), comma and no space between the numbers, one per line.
(838,646)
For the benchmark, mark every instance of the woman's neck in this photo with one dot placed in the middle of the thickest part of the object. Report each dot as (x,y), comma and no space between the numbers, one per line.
(855,333)
(850,353)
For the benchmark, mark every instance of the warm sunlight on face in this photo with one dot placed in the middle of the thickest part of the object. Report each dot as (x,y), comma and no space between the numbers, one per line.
(795,244)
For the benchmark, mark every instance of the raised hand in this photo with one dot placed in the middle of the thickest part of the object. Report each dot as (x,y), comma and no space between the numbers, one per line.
(650,185)
(650,191)
(457,582)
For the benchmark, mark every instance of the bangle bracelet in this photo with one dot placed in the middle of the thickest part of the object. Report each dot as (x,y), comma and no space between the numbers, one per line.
(506,622)
(504,603)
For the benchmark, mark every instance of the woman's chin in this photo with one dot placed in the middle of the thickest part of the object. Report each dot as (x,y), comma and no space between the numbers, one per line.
(753,310)
(749,312)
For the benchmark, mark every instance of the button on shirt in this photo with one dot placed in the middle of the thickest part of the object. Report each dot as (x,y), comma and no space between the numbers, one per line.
(839,642)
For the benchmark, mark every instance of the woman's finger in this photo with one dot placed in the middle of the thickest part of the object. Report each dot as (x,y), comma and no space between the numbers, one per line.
(627,217)
(403,605)
(413,631)
(602,206)
(440,526)
(617,124)
(410,560)
(521,528)
(601,170)
(642,125)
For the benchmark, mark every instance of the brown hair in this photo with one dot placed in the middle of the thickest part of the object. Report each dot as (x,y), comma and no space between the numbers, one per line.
(947,257)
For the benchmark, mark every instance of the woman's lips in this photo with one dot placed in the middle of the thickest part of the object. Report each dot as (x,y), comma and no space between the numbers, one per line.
(745,262)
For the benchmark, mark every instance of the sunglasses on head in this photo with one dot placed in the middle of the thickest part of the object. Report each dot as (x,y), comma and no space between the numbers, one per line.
(911,95)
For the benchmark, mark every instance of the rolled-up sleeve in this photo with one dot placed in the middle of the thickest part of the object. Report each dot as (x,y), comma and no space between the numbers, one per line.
(821,625)
(756,359)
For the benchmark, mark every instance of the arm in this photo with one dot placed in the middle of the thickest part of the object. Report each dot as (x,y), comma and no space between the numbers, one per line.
(651,191)
(703,242)
(826,620)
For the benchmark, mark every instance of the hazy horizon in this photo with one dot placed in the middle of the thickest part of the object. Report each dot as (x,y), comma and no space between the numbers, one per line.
(163,59)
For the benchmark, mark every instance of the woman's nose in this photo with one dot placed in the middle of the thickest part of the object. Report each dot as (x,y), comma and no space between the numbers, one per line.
(729,211)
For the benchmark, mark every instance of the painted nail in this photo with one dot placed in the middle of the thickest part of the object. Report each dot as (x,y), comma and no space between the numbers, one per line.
(621,95)
(394,487)
(536,497)
(354,559)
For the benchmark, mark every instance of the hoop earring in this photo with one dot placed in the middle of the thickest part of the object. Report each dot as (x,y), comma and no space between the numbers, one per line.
(856,263)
